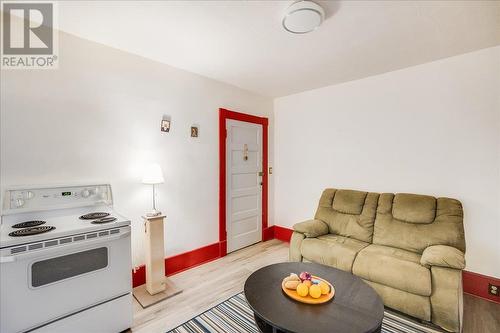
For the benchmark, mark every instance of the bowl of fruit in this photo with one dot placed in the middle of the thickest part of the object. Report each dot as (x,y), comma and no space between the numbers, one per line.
(307,288)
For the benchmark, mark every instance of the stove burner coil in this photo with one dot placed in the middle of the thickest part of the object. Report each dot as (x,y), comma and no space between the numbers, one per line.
(31,231)
(104,220)
(28,224)
(93,216)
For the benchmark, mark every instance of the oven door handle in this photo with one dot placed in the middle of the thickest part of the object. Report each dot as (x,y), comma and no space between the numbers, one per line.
(63,249)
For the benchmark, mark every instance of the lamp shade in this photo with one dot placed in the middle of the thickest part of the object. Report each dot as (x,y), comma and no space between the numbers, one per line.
(153,174)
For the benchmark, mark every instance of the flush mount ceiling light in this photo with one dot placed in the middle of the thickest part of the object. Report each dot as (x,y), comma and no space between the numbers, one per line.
(303,17)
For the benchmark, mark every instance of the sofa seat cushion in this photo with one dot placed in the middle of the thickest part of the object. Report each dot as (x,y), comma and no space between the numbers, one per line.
(414,305)
(395,268)
(332,250)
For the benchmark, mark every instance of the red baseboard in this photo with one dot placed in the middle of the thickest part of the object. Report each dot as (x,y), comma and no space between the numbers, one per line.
(473,283)
(184,261)
(139,276)
(268,233)
(181,262)
(282,233)
(477,285)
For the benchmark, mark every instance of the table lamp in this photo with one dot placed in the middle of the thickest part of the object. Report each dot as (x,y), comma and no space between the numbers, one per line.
(153,176)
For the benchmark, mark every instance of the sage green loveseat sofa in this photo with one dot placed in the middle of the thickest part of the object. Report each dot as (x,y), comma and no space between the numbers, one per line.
(409,248)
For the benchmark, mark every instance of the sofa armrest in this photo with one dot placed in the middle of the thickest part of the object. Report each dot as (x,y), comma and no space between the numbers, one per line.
(443,256)
(311,228)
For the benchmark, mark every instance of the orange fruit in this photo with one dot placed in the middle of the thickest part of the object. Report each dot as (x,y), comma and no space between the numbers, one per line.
(315,291)
(325,288)
(308,283)
(302,289)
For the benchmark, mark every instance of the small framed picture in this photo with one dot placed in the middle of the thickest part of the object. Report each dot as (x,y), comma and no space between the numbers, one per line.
(194,131)
(165,125)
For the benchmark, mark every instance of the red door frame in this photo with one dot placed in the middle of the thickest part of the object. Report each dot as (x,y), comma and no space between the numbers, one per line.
(223,115)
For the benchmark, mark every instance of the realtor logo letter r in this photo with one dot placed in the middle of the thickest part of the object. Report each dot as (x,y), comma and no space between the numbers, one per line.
(32,33)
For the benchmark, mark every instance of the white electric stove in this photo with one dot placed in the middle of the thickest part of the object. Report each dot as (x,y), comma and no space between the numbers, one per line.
(65,263)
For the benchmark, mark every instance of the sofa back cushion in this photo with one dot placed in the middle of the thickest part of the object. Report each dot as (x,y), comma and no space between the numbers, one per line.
(413,222)
(348,213)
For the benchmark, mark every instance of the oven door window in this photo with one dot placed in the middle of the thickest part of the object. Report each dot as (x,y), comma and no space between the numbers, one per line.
(71,265)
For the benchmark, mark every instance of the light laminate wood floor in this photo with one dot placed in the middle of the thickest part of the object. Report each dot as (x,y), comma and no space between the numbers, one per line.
(209,284)
(206,286)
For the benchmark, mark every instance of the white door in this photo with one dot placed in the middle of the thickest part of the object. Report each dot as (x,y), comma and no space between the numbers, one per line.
(243,184)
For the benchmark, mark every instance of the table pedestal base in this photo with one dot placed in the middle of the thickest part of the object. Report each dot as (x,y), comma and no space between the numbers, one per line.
(265,327)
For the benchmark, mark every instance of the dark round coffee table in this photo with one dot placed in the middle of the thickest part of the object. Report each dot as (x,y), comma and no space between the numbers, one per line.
(356,307)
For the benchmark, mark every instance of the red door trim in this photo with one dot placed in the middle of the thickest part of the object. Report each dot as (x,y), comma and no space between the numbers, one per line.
(223,115)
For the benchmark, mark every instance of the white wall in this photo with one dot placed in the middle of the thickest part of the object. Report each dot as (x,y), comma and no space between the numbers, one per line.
(431,129)
(98,118)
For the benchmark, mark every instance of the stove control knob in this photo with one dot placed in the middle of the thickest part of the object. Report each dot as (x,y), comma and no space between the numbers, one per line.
(85,193)
(29,195)
(19,202)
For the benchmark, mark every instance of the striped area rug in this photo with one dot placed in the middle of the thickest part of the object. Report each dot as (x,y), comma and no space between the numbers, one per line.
(234,315)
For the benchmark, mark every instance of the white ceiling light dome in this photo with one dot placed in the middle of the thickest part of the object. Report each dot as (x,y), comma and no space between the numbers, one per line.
(303,17)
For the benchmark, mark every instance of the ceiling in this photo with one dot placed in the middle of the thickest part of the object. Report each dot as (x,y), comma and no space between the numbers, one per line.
(242,42)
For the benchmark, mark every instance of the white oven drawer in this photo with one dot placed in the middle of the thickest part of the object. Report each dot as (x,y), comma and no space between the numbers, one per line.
(111,317)
(54,282)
